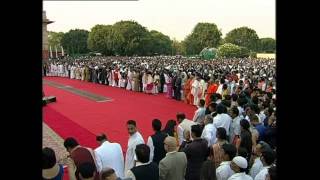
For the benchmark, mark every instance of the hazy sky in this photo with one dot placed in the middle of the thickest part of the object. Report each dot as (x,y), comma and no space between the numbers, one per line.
(175,18)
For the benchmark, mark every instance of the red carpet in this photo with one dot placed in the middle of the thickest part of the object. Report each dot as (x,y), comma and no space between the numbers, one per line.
(73,115)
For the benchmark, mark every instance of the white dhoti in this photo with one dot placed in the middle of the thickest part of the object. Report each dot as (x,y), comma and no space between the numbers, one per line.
(165,88)
(122,83)
(144,86)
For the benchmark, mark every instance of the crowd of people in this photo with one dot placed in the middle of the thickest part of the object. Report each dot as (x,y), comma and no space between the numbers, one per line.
(232,135)
(182,79)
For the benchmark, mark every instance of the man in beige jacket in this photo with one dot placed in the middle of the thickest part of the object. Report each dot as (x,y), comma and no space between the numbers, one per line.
(173,165)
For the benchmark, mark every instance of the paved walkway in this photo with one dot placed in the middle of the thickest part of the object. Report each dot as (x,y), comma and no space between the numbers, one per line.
(54,141)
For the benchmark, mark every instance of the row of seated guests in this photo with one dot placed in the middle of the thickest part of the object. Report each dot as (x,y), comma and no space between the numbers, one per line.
(192,160)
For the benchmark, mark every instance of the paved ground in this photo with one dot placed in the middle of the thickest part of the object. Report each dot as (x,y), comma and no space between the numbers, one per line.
(54,141)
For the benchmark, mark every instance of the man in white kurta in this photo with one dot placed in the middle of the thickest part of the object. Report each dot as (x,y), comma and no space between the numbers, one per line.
(110,155)
(239,165)
(257,164)
(61,70)
(184,125)
(222,119)
(235,124)
(72,72)
(200,112)
(224,171)
(267,159)
(209,131)
(195,88)
(129,78)
(54,70)
(144,82)
(134,139)
(203,87)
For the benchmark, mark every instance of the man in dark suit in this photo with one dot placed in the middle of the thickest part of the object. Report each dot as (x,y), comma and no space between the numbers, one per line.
(173,166)
(155,142)
(162,81)
(197,152)
(143,169)
(177,85)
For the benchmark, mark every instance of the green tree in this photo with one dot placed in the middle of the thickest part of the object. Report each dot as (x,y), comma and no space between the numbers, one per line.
(129,38)
(160,43)
(101,38)
(243,36)
(203,35)
(177,48)
(54,38)
(267,45)
(229,50)
(75,41)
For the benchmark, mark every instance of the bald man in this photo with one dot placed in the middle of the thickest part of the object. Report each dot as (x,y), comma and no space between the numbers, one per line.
(173,165)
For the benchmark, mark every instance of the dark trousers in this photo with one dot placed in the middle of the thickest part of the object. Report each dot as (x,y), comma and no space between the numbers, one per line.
(177,94)
(161,87)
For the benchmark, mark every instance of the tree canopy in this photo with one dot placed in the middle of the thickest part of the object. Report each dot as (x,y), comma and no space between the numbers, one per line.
(130,38)
(101,40)
(229,50)
(243,36)
(54,38)
(203,35)
(75,41)
(267,45)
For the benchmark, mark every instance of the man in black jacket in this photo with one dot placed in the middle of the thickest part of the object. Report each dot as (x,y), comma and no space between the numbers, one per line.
(143,170)
(177,85)
(162,81)
(155,142)
(197,152)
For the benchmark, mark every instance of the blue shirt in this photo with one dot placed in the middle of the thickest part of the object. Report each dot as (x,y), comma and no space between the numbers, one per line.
(261,129)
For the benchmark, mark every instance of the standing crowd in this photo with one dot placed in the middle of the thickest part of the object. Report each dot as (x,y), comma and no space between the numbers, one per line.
(232,135)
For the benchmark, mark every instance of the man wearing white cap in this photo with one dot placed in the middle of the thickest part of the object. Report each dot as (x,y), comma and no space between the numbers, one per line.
(239,166)
(224,171)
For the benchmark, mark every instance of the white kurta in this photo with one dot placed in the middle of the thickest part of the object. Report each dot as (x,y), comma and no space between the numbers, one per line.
(129,77)
(223,120)
(150,144)
(61,70)
(133,141)
(72,74)
(219,90)
(184,125)
(235,128)
(111,156)
(110,78)
(223,172)
(144,82)
(256,167)
(54,70)
(203,87)
(262,174)
(240,176)
(195,87)
(167,80)
(199,115)
(155,88)
(209,134)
